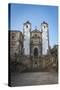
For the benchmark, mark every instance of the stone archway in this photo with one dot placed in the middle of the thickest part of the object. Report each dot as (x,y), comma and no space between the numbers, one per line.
(35,51)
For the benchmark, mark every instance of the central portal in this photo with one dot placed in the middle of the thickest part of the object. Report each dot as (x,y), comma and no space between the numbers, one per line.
(35,59)
(36,52)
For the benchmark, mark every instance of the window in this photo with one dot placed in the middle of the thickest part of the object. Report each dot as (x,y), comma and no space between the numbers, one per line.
(44,26)
(26,26)
(12,37)
(35,35)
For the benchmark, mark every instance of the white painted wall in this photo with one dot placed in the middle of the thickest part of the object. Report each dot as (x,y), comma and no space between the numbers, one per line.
(44,39)
(27,39)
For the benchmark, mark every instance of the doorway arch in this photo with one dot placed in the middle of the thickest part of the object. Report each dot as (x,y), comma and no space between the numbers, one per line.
(35,51)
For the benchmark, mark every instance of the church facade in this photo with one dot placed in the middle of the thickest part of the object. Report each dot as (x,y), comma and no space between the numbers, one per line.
(30,43)
(35,42)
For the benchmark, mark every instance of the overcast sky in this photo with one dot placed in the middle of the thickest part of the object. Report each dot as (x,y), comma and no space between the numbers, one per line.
(36,14)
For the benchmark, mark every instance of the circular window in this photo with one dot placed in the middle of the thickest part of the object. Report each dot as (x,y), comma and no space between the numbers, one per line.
(35,35)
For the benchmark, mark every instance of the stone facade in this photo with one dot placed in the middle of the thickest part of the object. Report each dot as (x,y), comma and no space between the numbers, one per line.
(36,43)
(30,46)
(16,43)
(30,42)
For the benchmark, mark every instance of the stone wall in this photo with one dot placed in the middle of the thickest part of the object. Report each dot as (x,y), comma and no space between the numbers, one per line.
(49,63)
(45,63)
(16,44)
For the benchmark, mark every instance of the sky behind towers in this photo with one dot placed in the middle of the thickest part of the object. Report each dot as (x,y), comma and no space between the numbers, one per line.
(36,14)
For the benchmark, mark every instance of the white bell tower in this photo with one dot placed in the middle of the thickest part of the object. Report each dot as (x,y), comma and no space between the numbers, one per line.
(26,41)
(45,38)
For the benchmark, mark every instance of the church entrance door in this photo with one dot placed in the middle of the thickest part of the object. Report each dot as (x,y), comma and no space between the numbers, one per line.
(35,61)
(36,52)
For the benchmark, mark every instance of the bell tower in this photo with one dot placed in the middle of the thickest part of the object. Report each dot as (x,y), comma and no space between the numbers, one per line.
(45,38)
(26,41)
